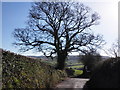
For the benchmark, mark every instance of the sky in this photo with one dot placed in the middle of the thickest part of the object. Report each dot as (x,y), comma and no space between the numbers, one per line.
(14,15)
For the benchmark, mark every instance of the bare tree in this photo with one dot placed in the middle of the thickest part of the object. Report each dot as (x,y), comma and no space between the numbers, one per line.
(58,28)
(114,50)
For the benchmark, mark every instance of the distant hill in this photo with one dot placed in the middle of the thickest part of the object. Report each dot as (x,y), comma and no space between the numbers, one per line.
(72,58)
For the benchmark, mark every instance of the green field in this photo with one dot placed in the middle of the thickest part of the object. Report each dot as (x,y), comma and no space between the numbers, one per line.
(78,72)
(77,67)
(73,63)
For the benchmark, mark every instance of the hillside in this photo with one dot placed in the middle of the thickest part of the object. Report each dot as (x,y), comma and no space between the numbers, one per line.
(23,72)
(73,65)
(73,59)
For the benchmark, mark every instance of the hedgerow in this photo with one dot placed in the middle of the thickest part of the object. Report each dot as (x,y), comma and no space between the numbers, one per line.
(105,75)
(24,72)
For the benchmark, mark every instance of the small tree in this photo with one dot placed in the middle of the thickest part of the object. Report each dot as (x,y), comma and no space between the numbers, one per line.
(58,28)
(114,50)
(90,59)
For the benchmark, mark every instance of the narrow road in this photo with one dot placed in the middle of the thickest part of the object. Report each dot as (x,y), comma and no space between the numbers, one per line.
(72,83)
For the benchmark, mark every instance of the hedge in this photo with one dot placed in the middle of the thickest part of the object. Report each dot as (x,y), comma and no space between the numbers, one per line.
(24,72)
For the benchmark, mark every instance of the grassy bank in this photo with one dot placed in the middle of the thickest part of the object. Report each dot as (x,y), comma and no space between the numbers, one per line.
(23,72)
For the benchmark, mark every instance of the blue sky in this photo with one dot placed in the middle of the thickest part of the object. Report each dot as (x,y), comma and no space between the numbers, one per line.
(14,15)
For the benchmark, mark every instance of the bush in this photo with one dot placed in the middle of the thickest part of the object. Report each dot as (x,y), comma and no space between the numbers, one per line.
(24,72)
(106,75)
(70,71)
(89,60)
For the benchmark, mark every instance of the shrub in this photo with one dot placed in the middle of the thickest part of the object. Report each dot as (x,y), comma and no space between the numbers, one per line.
(24,72)
(70,71)
(89,60)
(106,75)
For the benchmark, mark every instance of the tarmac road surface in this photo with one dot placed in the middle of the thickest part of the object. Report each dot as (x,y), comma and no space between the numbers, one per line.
(72,83)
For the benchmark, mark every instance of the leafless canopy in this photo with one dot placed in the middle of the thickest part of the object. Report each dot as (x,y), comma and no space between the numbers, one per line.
(114,50)
(59,27)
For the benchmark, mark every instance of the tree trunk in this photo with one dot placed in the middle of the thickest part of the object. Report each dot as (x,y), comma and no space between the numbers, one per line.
(61,61)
